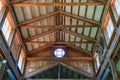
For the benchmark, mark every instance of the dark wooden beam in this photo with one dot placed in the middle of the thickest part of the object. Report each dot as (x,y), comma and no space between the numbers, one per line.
(80,49)
(60,4)
(82,18)
(80,71)
(53,26)
(40,70)
(38,18)
(2,70)
(21,1)
(118,22)
(77,34)
(60,59)
(113,69)
(41,35)
(38,49)
(58,42)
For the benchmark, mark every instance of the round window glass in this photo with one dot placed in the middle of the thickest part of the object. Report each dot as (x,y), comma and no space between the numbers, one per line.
(59,53)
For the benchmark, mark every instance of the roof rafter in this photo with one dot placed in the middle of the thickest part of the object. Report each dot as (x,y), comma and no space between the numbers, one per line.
(38,18)
(40,70)
(58,42)
(82,18)
(80,71)
(60,4)
(77,34)
(41,35)
(80,49)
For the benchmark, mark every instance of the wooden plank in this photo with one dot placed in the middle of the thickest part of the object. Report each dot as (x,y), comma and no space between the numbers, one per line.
(41,35)
(80,71)
(77,34)
(82,18)
(38,18)
(60,4)
(118,22)
(53,26)
(60,59)
(26,76)
(58,42)
(113,69)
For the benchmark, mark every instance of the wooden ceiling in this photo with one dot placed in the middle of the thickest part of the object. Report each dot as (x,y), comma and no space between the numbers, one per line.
(46,23)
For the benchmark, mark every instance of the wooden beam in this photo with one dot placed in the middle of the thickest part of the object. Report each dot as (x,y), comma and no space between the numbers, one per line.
(118,22)
(113,69)
(2,70)
(82,18)
(58,42)
(60,59)
(38,18)
(77,34)
(38,49)
(40,70)
(53,26)
(60,4)
(80,71)
(41,35)
(80,49)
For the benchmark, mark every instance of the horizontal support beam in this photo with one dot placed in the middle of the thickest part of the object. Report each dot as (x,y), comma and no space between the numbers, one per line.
(49,42)
(77,34)
(82,18)
(38,18)
(61,59)
(60,4)
(52,26)
(80,71)
(41,35)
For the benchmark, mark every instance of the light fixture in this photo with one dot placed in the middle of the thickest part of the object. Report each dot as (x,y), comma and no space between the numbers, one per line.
(59,53)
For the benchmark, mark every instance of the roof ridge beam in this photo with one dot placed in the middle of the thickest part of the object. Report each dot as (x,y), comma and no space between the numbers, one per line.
(38,18)
(82,18)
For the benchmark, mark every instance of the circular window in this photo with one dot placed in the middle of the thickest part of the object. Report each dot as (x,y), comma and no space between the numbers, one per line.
(59,53)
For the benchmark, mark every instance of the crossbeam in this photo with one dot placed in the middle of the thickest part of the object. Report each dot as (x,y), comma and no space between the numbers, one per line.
(60,4)
(60,59)
(58,42)
(52,26)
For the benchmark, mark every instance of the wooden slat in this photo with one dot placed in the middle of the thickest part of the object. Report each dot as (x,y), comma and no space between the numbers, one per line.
(2,70)
(82,18)
(60,4)
(80,71)
(61,59)
(40,70)
(38,18)
(52,26)
(77,34)
(42,34)
(58,42)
